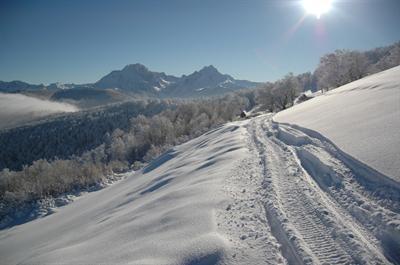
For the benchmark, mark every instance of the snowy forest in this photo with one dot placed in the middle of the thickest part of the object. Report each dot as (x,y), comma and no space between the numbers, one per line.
(81,150)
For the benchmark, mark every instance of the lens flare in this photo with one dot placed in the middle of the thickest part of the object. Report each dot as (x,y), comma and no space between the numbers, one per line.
(317,7)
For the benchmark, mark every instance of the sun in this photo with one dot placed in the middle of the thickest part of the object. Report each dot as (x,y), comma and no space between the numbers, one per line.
(317,7)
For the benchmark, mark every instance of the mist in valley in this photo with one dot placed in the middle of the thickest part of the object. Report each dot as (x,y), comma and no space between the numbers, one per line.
(17,109)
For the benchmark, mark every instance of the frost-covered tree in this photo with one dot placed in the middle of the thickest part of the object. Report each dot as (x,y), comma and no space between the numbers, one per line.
(265,97)
(384,58)
(285,91)
(328,72)
(344,66)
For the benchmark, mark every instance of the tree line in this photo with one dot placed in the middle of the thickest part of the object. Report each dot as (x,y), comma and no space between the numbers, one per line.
(344,66)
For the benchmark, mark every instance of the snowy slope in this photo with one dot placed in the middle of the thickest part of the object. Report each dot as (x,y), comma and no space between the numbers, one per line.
(249,192)
(362,118)
(165,215)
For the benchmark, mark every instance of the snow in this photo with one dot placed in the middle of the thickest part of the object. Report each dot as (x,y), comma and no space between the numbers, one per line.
(62,85)
(165,82)
(165,215)
(323,207)
(255,191)
(362,118)
(162,84)
(227,81)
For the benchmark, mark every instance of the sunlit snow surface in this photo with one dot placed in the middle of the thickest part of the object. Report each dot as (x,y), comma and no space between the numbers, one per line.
(248,192)
(362,118)
(164,216)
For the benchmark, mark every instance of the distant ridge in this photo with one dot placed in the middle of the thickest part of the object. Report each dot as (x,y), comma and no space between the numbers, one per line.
(138,80)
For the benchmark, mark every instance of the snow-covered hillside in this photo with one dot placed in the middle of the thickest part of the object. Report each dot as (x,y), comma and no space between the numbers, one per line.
(362,118)
(249,192)
(169,214)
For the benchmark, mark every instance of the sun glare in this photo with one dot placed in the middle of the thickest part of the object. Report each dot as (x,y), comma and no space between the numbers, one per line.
(317,7)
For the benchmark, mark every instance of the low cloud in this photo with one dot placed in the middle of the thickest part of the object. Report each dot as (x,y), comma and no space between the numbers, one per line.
(17,109)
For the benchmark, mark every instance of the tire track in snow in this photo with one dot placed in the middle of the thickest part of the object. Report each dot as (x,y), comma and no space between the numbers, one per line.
(309,225)
(368,199)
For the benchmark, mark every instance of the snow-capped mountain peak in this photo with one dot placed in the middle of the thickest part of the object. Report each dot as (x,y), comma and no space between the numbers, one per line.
(137,78)
(207,82)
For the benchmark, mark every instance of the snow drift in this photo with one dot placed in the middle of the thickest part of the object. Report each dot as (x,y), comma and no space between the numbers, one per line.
(362,118)
(164,215)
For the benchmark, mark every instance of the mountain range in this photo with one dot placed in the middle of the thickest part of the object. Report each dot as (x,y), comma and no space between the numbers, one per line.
(136,80)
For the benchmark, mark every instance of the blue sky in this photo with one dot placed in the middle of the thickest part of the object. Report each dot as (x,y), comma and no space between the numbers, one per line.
(260,40)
